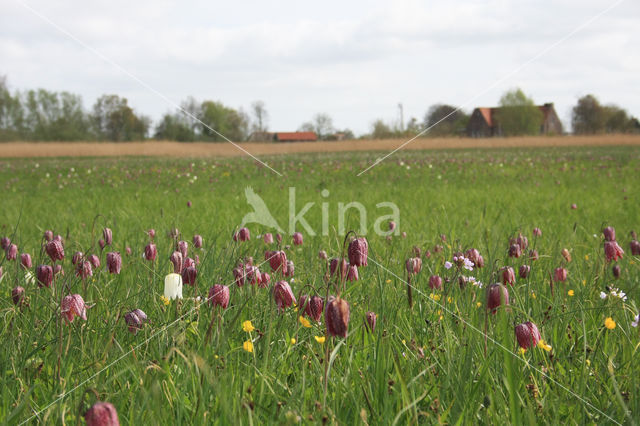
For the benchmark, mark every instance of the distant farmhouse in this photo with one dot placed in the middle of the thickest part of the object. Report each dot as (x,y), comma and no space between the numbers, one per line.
(484,123)
(283,137)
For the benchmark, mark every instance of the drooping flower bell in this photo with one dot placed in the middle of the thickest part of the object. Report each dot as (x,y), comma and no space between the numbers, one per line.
(101,243)
(533,255)
(189,275)
(173,286)
(527,335)
(352,274)
(77,257)
(508,275)
(497,295)
(176,259)
(150,252)
(435,282)
(522,241)
(197,241)
(12,252)
(95,261)
(338,264)
(283,295)
(537,232)
(291,268)
(5,242)
(243,234)
(297,238)
(135,320)
(151,233)
(413,265)
(55,250)
(616,271)
(566,254)
(473,255)
(277,261)
(265,279)
(73,306)
(370,321)
(515,250)
(114,262)
(84,269)
(107,234)
(44,274)
(524,270)
(609,233)
(322,255)
(358,252)
(183,248)
(17,295)
(560,275)
(612,251)
(336,316)
(25,261)
(392,225)
(635,247)
(268,238)
(48,235)
(312,306)
(219,296)
(102,414)
(239,275)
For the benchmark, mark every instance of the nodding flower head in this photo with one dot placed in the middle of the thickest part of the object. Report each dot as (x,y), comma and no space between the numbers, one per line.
(150,252)
(277,261)
(107,234)
(522,241)
(197,241)
(44,274)
(312,306)
(290,269)
(95,261)
(114,262)
(609,233)
(77,257)
(219,296)
(616,271)
(283,295)
(5,242)
(173,286)
(189,275)
(533,255)
(183,248)
(336,264)
(612,251)
(560,275)
(565,253)
(25,261)
(635,248)
(239,275)
(48,235)
(392,225)
(497,294)
(101,243)
(135,320)
(435,282)
(358,252)
(55,250)
(527,335)
(474,256)
(268,238)
(515,250)
(370,320)
(537,232)
(17,295)
(12,252)
(151,233)
(322,255)
(102,414)
(73,306)
(336,317)
(524,270)
(413,265)
(297,238)
(176,259)
(84,269)
(508,275)
(352,274)
(243,234)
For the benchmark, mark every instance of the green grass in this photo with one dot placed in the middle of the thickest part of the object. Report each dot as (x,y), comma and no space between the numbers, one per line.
(428,364)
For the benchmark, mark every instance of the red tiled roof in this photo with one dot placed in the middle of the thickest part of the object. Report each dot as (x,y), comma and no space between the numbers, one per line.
(296,136)
(487,113)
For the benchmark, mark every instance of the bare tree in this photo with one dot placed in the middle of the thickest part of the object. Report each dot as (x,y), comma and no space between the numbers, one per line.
(260,117)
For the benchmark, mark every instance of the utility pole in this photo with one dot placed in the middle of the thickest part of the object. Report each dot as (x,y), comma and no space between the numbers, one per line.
(401,117)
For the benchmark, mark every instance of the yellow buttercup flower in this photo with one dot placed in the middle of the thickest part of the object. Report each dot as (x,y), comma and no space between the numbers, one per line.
(247,326)
(435,297)
(533,295)
(571,293)
(388,281)
(164,300)
(522,351)
(305,322)
(248,346)
(292,341)
(478,304)
(320,339)
(610,323)
(543,345)
(586,257)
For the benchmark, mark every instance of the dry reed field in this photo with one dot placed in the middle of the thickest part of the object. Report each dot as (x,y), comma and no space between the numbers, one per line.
(222,149)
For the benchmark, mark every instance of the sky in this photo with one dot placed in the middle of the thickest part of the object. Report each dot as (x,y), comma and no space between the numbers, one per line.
(353,60)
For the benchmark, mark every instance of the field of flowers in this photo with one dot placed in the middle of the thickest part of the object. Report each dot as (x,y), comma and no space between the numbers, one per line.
(506,293)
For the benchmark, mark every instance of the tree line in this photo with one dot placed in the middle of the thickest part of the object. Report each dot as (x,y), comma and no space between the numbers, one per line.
(42,115)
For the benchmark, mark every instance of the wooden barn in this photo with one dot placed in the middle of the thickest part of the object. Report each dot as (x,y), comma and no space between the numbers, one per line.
(484,123)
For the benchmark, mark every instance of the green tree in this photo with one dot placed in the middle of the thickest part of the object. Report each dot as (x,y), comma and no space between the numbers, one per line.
(175,127)
(588,116)
(445,120)
(380,130)
(518,115)
(220,120)
(112,119)
(11,114)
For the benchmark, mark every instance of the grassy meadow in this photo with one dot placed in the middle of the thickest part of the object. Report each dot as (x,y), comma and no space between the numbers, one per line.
(445,360)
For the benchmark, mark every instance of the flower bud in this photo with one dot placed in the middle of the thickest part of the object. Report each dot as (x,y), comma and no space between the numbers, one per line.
(524,270)
(358,252)
(635,248)
(72,306)
(322,255)
(57,269)
(219,296)
(150,252)
(127,250)
(55,250)
(413,265)
(279,238)
(515,251)
(5,242)
(616,271)
(392,225)
(77,257)
(48,235)
(533,255)
(508,275)
(567,256)
(83,269)
(197,241)
(609,233)
(370,321)
(12,252)
(173,286)
(243,234)
(290,269)
(403,234)
(44,274)
(101,243)
(574,206)
(435,282)
(114,262)
(268,238)
(497,294)
(297,238)
(338,264)
(527,335)
(17,295)
(108,236)
(135,320)
(537,232)
(283,295)
(25,261)
(352,274)
(102,414)
(176,259)
(612,251)
(189,275)
(152,233)
(336,317)
(95,261)
(560,275)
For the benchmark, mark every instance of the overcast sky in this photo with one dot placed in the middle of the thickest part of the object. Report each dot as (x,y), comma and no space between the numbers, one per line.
(355,60)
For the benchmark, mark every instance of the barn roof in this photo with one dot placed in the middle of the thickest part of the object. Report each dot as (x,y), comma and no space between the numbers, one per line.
(488,113)
(296,136)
